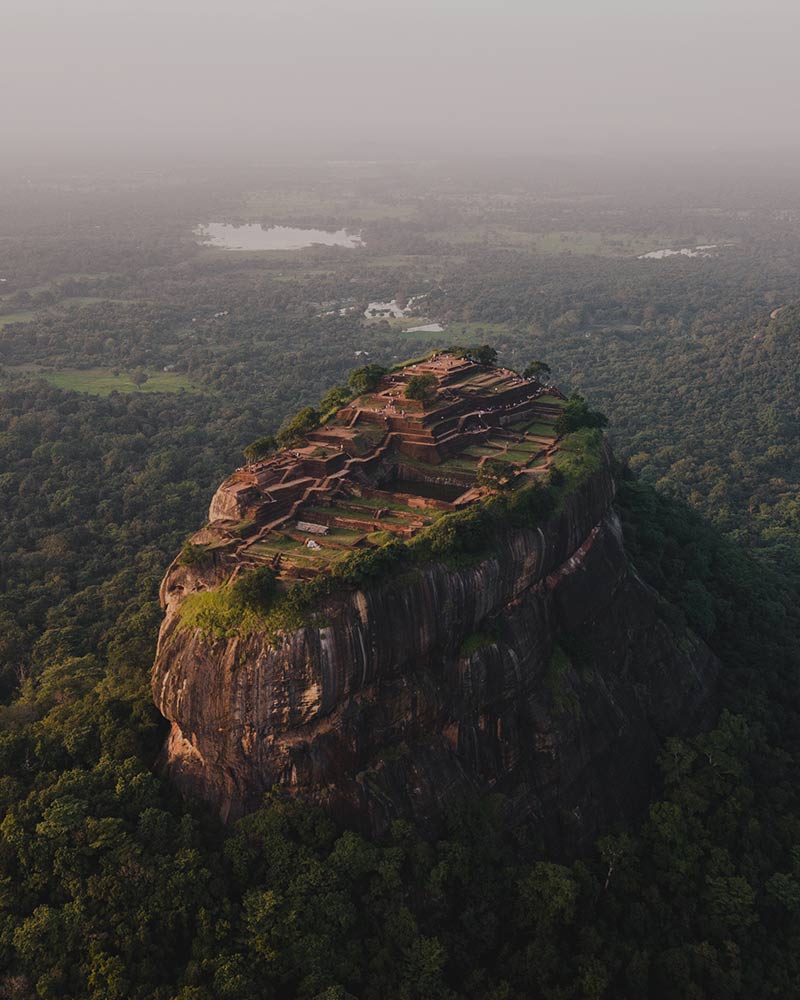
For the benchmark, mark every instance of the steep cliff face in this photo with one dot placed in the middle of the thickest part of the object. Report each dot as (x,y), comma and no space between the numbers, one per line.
(546,671)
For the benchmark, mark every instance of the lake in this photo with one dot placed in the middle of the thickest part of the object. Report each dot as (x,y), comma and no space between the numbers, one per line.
(427,328)
(253,236)
(701,251)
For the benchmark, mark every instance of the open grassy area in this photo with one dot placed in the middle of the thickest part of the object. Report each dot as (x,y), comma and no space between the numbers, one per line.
(541,429)
(519,455)
(16,317)
(343,536)
(527,445)
(460,464)
(579,455)
(102,381)
(298,553)
(369,505)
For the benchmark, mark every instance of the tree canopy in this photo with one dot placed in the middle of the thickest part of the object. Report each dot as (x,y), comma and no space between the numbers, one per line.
(295,428)
(577,414)
(422,387)
(536,369)
(366,378)
(260,448)
(481,354)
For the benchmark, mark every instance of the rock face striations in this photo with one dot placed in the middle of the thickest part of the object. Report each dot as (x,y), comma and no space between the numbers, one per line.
(542,668)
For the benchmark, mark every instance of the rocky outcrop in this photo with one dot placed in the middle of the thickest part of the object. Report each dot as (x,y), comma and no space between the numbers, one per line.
(548,671)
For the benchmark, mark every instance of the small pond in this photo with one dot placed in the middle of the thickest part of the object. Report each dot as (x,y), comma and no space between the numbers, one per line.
(253,236)
(702,251)
(427,328)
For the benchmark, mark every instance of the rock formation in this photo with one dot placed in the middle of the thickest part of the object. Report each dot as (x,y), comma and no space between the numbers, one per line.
(545,670)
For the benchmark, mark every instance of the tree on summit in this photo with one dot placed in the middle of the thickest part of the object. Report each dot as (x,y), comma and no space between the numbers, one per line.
(577,414)
(260,448)
(481,354)
(422,387)
(254,590)
(335,398)
(298,426)
(536,369)
(366,379)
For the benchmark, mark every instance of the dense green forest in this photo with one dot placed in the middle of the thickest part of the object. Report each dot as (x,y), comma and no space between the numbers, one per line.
(111,886)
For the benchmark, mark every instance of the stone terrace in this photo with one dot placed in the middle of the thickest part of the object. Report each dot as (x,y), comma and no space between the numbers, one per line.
(386,465)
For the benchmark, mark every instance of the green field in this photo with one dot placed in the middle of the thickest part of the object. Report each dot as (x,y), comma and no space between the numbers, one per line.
(102,382)
(541,429)
(17,317)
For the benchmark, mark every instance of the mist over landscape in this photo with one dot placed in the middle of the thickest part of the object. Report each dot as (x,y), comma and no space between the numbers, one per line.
(400,492)
(357,79)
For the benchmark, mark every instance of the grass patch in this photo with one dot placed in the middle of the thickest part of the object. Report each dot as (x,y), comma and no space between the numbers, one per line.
(369,504)
(411,361)
(102,381)
(344,535)
(578,456)
(519,455)
(213,613)
(527,446)
(17,317)
(497,444)
(541,429)
(380,537)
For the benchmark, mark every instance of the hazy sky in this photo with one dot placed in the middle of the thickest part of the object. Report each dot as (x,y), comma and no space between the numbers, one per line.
(541,75)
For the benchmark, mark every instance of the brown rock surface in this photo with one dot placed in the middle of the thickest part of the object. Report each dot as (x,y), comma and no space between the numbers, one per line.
(545,671)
